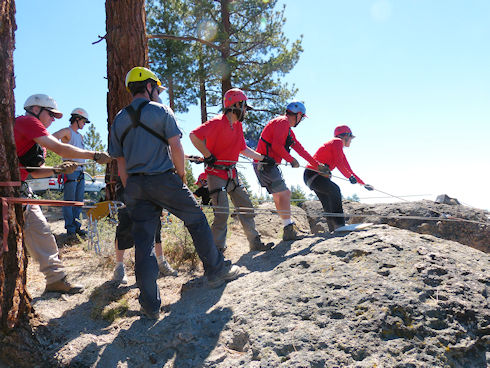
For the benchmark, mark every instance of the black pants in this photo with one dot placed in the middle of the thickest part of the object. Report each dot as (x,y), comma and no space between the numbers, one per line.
(329,195)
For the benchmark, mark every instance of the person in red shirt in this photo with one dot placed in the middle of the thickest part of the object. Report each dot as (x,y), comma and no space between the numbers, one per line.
(276,141)
(332,154)
(202,190)
(31,140)
(221,141)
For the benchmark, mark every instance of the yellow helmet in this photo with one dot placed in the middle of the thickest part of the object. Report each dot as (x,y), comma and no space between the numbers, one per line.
(139,74)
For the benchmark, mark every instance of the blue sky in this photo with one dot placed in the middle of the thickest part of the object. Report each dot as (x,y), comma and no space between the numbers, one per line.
(411,78)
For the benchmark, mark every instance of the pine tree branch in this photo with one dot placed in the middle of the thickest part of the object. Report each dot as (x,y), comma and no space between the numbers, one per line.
(184,38)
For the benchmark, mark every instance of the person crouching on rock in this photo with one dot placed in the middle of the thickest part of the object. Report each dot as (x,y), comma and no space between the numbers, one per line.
(332,154)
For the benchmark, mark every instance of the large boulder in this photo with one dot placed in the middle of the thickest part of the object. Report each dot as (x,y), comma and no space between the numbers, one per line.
(463,224)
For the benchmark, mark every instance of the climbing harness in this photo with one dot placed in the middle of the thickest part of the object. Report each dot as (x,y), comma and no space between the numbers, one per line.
(135,116)
(287,144)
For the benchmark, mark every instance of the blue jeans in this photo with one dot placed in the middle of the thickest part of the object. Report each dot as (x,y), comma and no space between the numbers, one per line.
(145,196)
(73,190)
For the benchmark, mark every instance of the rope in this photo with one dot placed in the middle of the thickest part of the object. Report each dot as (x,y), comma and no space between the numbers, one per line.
(444,217)
(252,210)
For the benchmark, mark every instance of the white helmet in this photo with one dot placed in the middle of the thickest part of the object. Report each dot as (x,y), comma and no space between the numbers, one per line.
(44,101)
(81,112)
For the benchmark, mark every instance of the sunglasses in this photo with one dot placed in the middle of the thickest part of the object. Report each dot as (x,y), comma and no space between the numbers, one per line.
(51,114)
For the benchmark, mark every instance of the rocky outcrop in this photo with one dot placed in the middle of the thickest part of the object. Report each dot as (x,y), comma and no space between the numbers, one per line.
(473,232)
(382,297)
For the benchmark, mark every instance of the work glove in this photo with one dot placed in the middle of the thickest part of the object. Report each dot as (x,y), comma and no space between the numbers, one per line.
(353,179)
(295,163)
(324,170)
(67,167)
(268,161)
(369,187)
(210,160)
(102,158)
(195,159)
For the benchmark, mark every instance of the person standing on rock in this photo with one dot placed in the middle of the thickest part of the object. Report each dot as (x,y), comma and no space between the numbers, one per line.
(332,155)
(221,141)
(145,140)
(31,135)
(74,184)
(276,141)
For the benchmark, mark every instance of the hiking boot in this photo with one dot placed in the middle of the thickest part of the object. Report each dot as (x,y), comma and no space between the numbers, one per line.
(166,269)
(71,238)
(82,233)
(228,272)
(150,315)
(257,245)
(119,276)
(290,232)
(63,286)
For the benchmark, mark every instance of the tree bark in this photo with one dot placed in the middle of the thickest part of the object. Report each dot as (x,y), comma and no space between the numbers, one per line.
(14,299)
(202,89)
(127,47)
(225,46)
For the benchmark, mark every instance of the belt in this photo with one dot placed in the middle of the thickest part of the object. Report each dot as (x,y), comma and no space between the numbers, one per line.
(151,174)
(138,174)
(222,167)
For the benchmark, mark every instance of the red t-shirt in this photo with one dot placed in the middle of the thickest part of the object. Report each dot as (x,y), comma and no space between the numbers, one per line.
(26,128)
(223,141)
(276,132)
(332,154)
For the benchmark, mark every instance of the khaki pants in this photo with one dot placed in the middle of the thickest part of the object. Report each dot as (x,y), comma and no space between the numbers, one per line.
(41,244)
(240,199)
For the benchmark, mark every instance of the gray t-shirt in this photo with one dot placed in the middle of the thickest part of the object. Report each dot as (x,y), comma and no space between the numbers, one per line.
(143,152)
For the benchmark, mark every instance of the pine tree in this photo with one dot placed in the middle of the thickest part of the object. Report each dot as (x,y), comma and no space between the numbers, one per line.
(52,158)
(171,59)
(93,142)
(235,44)
(297,195)
(189,176)
(14,298)
(127,47)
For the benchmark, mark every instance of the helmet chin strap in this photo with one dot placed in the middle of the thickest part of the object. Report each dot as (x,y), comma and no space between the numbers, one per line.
(239,111)
(150,94)
(297,122)
(34,114)
(242,111)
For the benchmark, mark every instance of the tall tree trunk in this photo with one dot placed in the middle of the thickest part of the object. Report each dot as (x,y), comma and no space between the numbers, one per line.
(14,299)
(225,46)
(170,90)
(127,47)
(202,88)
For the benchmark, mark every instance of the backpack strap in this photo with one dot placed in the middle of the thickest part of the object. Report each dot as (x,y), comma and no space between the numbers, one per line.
(135,115)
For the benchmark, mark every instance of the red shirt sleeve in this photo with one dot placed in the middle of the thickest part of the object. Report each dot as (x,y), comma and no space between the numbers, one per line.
(302,152)
(341,161)
(26,128)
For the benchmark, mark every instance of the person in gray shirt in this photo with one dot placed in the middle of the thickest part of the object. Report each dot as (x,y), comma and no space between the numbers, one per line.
(145,140)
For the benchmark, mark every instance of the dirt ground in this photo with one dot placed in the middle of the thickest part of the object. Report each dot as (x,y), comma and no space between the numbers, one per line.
(115,307)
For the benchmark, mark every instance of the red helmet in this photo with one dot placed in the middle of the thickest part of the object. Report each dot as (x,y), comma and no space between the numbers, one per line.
(202,177)
(232,96)
(342,129)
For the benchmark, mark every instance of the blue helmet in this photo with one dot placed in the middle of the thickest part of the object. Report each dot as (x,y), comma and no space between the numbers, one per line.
(296,106)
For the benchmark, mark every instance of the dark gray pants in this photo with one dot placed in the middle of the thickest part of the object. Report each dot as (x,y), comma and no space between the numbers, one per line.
(146,195)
